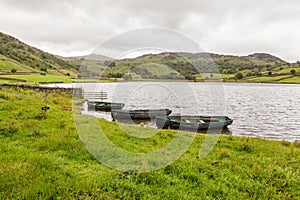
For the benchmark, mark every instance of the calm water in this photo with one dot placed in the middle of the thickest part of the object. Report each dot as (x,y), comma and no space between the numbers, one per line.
(265,110)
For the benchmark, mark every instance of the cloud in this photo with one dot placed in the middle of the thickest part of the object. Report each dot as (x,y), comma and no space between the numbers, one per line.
(70,27)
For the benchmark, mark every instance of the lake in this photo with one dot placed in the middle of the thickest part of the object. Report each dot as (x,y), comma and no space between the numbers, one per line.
(266,110)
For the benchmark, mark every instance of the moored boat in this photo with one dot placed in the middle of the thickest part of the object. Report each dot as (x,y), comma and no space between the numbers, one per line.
(104,106)
(193,123)
(139,114)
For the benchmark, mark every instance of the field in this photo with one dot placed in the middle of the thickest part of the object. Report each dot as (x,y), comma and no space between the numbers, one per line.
(295,79)
(42,157)
(37,78)
(266,79)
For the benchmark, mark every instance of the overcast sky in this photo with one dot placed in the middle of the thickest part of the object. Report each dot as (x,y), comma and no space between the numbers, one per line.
(239,27)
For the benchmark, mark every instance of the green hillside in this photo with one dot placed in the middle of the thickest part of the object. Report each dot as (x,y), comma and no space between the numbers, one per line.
(200,66)
(19,62)
(18,58)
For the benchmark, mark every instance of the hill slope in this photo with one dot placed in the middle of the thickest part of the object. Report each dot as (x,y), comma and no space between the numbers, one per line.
(184,63)
(18,58)
(17,55)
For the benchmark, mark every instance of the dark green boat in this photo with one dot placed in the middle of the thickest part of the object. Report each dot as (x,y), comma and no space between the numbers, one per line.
(193,123)
(139,114)
(104,106)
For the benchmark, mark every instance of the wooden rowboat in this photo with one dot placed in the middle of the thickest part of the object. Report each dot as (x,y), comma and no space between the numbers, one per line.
(193,122)
(104,106)
(139,114)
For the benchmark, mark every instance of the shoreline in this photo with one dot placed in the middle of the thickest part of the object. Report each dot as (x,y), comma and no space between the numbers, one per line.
(47,158)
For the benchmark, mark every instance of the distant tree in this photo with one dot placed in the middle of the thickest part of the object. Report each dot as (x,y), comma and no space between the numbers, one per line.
(44,69)
(238,76)
(249,74)
(68,74)
(211,75)
(293,71)
(298,62)
(13,70)
(270,73)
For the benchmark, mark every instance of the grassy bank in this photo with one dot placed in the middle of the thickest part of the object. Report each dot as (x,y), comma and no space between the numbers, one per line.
(37,78)
(56,78)
(42,157)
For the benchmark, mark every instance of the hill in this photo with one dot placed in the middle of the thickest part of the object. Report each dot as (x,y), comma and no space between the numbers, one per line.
(182,65)
(17,55)
(22,62)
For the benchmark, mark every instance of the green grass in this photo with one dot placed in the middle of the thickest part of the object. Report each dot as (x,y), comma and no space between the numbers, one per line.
(42,157)
(295,79)
(227,76)
(7,64)
(214,76)
(158,69)
(266,79)
(288,70)
(6,81)
(37,78)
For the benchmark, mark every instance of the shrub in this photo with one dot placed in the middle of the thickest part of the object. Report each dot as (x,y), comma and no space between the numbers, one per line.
(270,73)
(44,69)
(293,71)
(13,70)
(238,75)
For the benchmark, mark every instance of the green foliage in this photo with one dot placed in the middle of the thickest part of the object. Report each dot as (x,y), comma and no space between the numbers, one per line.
(44,69)
(238,76)
(293,71)
(270,73)
(13,70)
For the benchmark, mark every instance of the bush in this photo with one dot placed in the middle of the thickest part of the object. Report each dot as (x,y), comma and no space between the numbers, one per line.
(44,69)
(270,73)
(293,71)
(238,75)
(13,70)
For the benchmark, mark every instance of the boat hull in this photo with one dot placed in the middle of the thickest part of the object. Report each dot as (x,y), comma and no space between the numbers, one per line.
(193,123)
(104,106)
(138,114)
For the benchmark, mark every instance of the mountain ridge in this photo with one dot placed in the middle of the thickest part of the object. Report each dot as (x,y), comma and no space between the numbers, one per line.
(16,55)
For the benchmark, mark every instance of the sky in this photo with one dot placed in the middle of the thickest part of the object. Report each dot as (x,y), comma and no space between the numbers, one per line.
(77,27)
